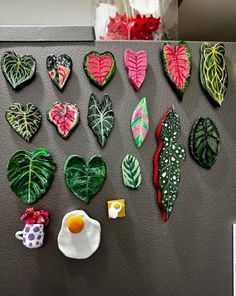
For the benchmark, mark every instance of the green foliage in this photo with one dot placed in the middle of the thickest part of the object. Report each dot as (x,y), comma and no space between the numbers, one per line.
(131,172)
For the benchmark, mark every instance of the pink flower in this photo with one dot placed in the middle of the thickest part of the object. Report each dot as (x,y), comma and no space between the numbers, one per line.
(33,217)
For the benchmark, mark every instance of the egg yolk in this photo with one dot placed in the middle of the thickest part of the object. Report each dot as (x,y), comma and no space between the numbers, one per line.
(75,223)
(117,205)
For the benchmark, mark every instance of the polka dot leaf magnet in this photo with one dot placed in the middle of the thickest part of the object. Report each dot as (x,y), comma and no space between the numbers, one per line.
(177,64)
(18,69)
(59,69)
(101,118)
(168,160)
(25,121)
(65,117)
(99,67)
(84,178)
(131,172)
(204,142)
(213,71)
(136,65)
(30,174)
(140,122)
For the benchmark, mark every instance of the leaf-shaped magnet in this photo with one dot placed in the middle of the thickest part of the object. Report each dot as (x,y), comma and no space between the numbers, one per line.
(59,69)
(30,174)
(25,121)
(131,172)
(204,142)
(213,71)
(140,122)
(177,64)
(136,65)
(84,178)
(101,118)
(168,160)
(65,117)
(99,67)
(18,69)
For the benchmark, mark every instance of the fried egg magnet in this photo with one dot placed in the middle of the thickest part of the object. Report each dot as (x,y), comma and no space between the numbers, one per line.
(79,236)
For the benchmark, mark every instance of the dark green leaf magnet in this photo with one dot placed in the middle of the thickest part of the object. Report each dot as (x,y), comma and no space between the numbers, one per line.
(204,142)
(59,69)
(25,121)
(18,69)
(101,118)
(30,174)
(131,172)
(84,178)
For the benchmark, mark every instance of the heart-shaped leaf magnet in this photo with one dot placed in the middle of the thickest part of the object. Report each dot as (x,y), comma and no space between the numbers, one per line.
(25,121)
(18,69)
(136,65)
(84,178)
(204,142)
(101,118)
(59,69)
(30,174)
(65,116)
(177,64)
(99,67)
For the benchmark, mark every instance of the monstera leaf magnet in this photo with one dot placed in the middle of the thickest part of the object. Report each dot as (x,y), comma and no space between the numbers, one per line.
(59,69)
(168,160)
(25,121)
(204,142)
(65,117)
(84,178)
(213,71)
(18,69)
(131,172)
(100,118)
(99,67)
(30,174)
(177,64)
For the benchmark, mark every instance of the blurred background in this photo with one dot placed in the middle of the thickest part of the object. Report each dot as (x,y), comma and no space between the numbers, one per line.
(171,19)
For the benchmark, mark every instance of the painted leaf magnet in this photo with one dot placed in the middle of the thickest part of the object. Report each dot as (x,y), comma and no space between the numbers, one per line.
(65,117)
(136,65)
(59,69)
(168,160)
(177,64)
(18,69)
(30,174)
(101,118)
(25,121)
(140,122)
(131,172)
(84,178)
(213,71)
(204,142)
(99,67)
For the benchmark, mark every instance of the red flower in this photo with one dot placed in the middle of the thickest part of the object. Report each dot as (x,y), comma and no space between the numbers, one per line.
(33,217)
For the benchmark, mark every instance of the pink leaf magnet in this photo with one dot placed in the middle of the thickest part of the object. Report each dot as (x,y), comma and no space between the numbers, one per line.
(177,64)
(136,65)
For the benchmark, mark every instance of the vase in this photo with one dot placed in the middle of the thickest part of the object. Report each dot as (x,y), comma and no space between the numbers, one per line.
(31,236)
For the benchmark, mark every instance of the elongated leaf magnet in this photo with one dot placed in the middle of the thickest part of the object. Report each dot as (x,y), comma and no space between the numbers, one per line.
(99,67)
(204,142)
(131,172)
(136,66)
(168,160)
(177,65)
(213,71)
(30,174)
(140,122)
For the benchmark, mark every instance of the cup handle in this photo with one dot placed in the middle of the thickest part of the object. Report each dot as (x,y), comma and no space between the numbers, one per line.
(18,235)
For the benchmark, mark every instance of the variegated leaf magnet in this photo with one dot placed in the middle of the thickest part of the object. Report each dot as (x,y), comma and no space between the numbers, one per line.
(140,122)
(131,172)
(204,142)
(101,118)
(213,71)
(136,65)
(18,69)
(177,64)
(168,160)
(25,121)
